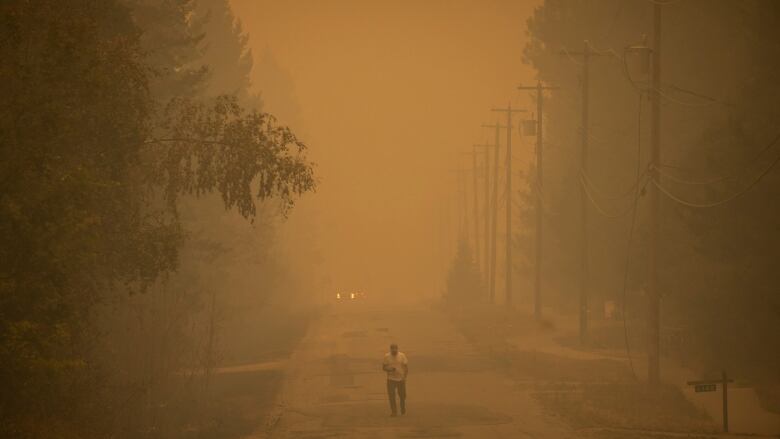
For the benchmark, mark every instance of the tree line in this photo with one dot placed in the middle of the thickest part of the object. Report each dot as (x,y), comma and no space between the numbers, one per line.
(117,116)
(719,238)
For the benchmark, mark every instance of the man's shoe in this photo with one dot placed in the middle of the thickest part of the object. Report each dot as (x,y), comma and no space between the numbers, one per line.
(393,415)
(403,410)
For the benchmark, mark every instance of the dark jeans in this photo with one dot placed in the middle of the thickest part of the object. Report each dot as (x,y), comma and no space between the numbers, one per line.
(400,387)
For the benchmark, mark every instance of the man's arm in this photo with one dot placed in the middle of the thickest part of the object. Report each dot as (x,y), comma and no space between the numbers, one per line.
(386,365)
(405,365)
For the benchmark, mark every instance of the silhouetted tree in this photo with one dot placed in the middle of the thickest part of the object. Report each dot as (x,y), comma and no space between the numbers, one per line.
(91,169)
(717,265)
(463,280)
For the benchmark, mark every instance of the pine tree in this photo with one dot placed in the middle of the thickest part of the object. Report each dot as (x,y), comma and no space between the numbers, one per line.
(463,280)
(225,52)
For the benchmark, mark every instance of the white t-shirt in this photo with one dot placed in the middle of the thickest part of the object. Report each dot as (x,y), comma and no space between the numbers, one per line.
(395,361)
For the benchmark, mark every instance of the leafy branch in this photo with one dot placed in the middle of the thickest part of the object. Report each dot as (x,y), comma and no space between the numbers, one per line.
(246,156)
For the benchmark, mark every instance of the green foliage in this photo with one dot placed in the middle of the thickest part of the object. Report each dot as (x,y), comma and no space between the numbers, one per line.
(220,146)
(90,172)
(71,222)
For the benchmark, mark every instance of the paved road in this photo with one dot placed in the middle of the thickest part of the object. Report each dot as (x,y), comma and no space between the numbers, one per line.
(335,387)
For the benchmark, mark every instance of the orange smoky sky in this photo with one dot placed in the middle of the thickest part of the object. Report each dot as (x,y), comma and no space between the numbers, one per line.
(391,93)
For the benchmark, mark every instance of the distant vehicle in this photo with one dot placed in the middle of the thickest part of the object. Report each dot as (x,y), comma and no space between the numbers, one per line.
(354,295)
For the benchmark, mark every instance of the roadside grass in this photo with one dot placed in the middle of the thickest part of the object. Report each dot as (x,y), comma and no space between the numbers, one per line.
(625,405)
(584,393)
(239,402)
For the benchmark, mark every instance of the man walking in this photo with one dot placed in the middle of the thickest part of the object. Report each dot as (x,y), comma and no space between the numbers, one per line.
(396,366)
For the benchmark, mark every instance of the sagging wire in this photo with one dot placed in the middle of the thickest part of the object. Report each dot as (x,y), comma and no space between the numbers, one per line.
(598,207)
(720,202)
(729,176)
(661,92)
(699,95)
(732,197)
(602,194)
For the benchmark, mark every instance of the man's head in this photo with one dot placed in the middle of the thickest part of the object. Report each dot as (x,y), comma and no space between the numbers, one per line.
(394,349)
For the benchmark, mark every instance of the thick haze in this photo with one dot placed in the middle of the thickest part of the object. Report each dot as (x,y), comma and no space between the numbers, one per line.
(388,92)
(237,219)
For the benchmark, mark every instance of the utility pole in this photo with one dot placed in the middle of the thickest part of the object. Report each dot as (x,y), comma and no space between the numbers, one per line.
(508,110)
(463,224)
(451,225)
(476,207)
(487,208)
(539,179)
(583,195)
(586,54)
(477,247)
(486,166)
(494,217)
(654,296)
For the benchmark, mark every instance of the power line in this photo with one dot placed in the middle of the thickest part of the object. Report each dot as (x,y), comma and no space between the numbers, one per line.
(721,202)
(729,176)
(603,194)
(598,207)
(665,95)
(668,97)
(622,59)
(698,95)
(571,58)
(712,101)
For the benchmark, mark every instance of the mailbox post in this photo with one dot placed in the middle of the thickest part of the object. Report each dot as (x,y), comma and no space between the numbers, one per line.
(711,386)
(725,403)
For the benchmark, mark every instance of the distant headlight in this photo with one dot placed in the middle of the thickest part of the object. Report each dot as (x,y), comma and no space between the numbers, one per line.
(338,295)
(351,295)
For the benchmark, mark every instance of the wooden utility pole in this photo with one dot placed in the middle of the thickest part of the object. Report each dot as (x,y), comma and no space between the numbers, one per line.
(539,179)
(509,111)
(583,197)
(586,54)
(654,296)
(486,166)
(463,224)
(487,209)
(725,390)
(477,242)
(494,217)
(476,207)
(447,231)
